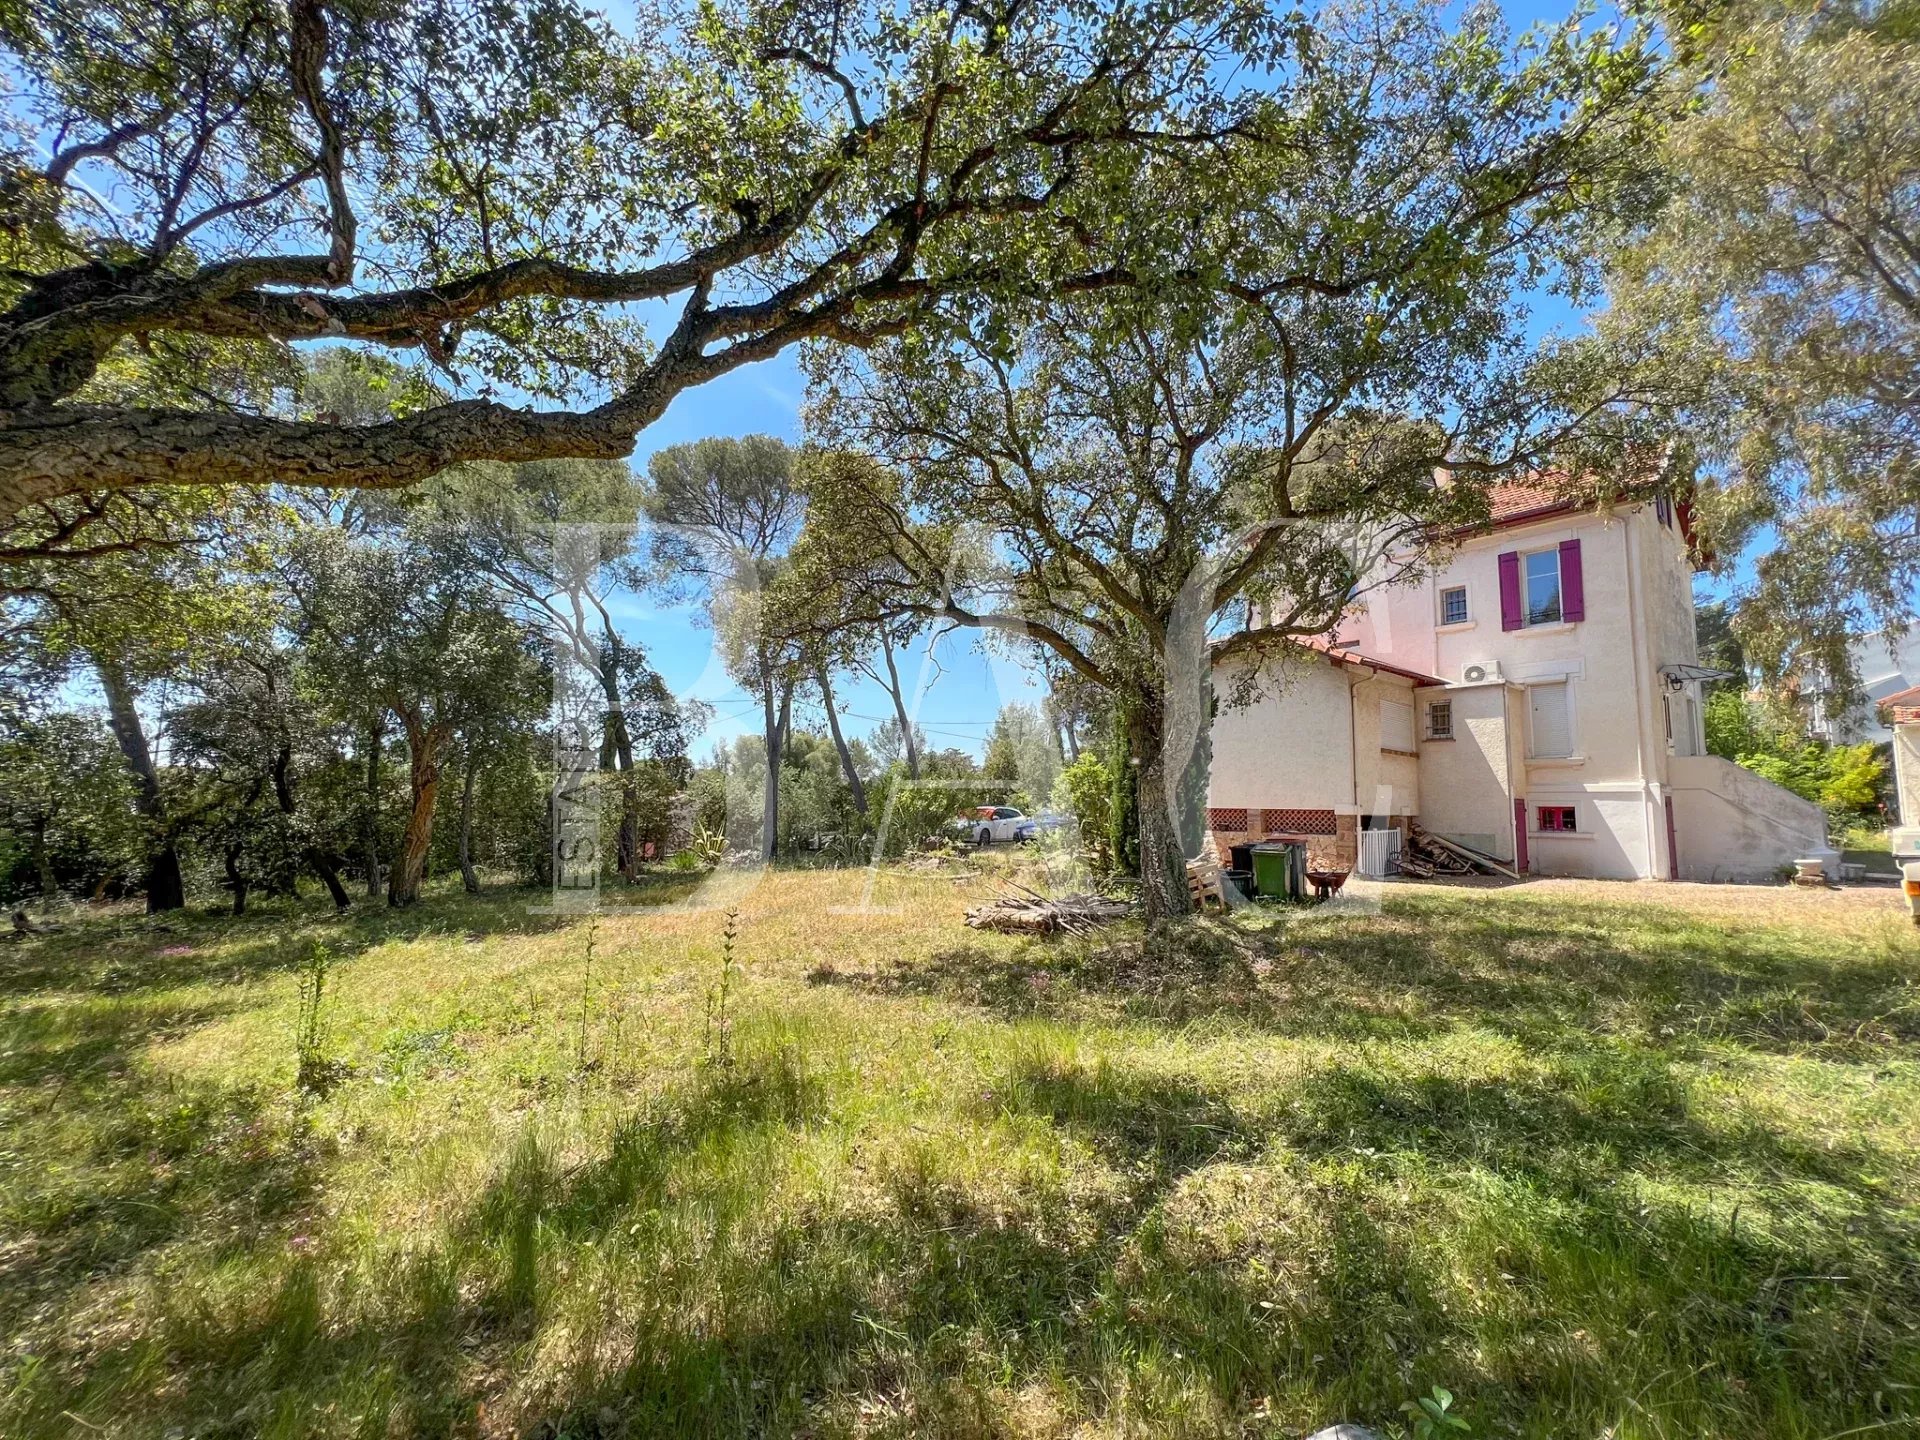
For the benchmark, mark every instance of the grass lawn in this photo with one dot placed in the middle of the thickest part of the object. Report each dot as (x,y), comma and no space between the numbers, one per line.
(1602,1160)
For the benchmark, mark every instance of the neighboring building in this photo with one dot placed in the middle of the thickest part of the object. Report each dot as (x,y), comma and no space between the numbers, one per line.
(1536,697)
(1901,711)
(1887,663)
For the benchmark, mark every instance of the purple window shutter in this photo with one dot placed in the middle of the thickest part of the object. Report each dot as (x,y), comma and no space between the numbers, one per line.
(1573,593)
(1510,590)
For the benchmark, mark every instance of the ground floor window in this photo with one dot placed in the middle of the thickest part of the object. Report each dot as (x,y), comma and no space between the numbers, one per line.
(1556,817)
(1396,726)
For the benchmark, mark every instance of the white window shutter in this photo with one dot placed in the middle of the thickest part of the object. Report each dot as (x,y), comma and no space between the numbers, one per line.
(1396,726)
(1552,729)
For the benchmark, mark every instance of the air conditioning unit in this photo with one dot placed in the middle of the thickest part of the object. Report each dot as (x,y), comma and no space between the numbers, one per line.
(1482,671)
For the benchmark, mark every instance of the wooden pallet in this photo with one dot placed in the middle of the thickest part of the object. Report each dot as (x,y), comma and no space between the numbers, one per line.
(1204,881)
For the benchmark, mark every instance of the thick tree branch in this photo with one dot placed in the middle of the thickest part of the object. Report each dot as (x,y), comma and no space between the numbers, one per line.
(306,59)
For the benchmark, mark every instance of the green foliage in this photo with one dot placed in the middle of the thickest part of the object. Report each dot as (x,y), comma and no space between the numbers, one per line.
(1023,755)
(915,813)
(1429,1415)
(317,1071)
(1719,645)
(815,803)
(708,790)
(66,807)
(1084,790)
(1772,304)
(716,1041)
(1855,779)
(1123,814)
(1736,726)
(1844,780)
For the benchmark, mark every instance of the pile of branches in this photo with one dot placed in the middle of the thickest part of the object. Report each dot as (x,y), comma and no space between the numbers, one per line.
(1425,856)
(1031,913)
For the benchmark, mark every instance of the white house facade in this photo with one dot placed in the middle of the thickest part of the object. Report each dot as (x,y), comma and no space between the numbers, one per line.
(1537,697)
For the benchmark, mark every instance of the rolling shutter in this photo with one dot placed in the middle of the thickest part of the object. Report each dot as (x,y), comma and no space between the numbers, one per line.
(1550,729)
(1396,726)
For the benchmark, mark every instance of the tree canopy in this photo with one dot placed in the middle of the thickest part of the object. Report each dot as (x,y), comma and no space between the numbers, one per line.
(1776,302)
(197,185)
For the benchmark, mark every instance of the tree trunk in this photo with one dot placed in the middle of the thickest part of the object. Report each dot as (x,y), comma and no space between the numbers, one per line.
(616,751)
(1053,729)
(410,865)
(1163,868)
(323,866)
(907,747)
(1066,744)
(166,887)
(467,877)
(370,818)
(770,796)
(286,876)
(236,880)
(43,862)
(317,859)
(627,844)
(839,743)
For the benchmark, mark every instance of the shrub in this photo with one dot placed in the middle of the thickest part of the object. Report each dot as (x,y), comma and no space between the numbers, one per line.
(1843,780)
(1084,790)
(1123,816)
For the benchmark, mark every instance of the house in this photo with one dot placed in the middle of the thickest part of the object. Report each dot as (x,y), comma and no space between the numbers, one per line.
(1536,696)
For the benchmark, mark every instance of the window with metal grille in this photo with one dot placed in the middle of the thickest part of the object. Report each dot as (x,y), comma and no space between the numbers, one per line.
(1453,605)
(1440,720)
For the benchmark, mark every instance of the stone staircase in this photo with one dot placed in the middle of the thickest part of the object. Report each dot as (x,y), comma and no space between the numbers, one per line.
(1734,825)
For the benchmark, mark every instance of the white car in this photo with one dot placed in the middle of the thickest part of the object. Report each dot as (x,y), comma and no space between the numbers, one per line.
(988,823)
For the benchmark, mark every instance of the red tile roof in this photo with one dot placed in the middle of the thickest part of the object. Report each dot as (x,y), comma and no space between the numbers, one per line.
(1902,707)
(1343,655)
(1519,502)
(1515,500)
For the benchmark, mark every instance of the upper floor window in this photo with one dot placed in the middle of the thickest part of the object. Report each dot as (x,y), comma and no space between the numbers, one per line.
(1440,720)
(1543,587)
(1453,605)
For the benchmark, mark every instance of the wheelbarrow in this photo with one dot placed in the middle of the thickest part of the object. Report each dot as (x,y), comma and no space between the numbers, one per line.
(1326,883)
